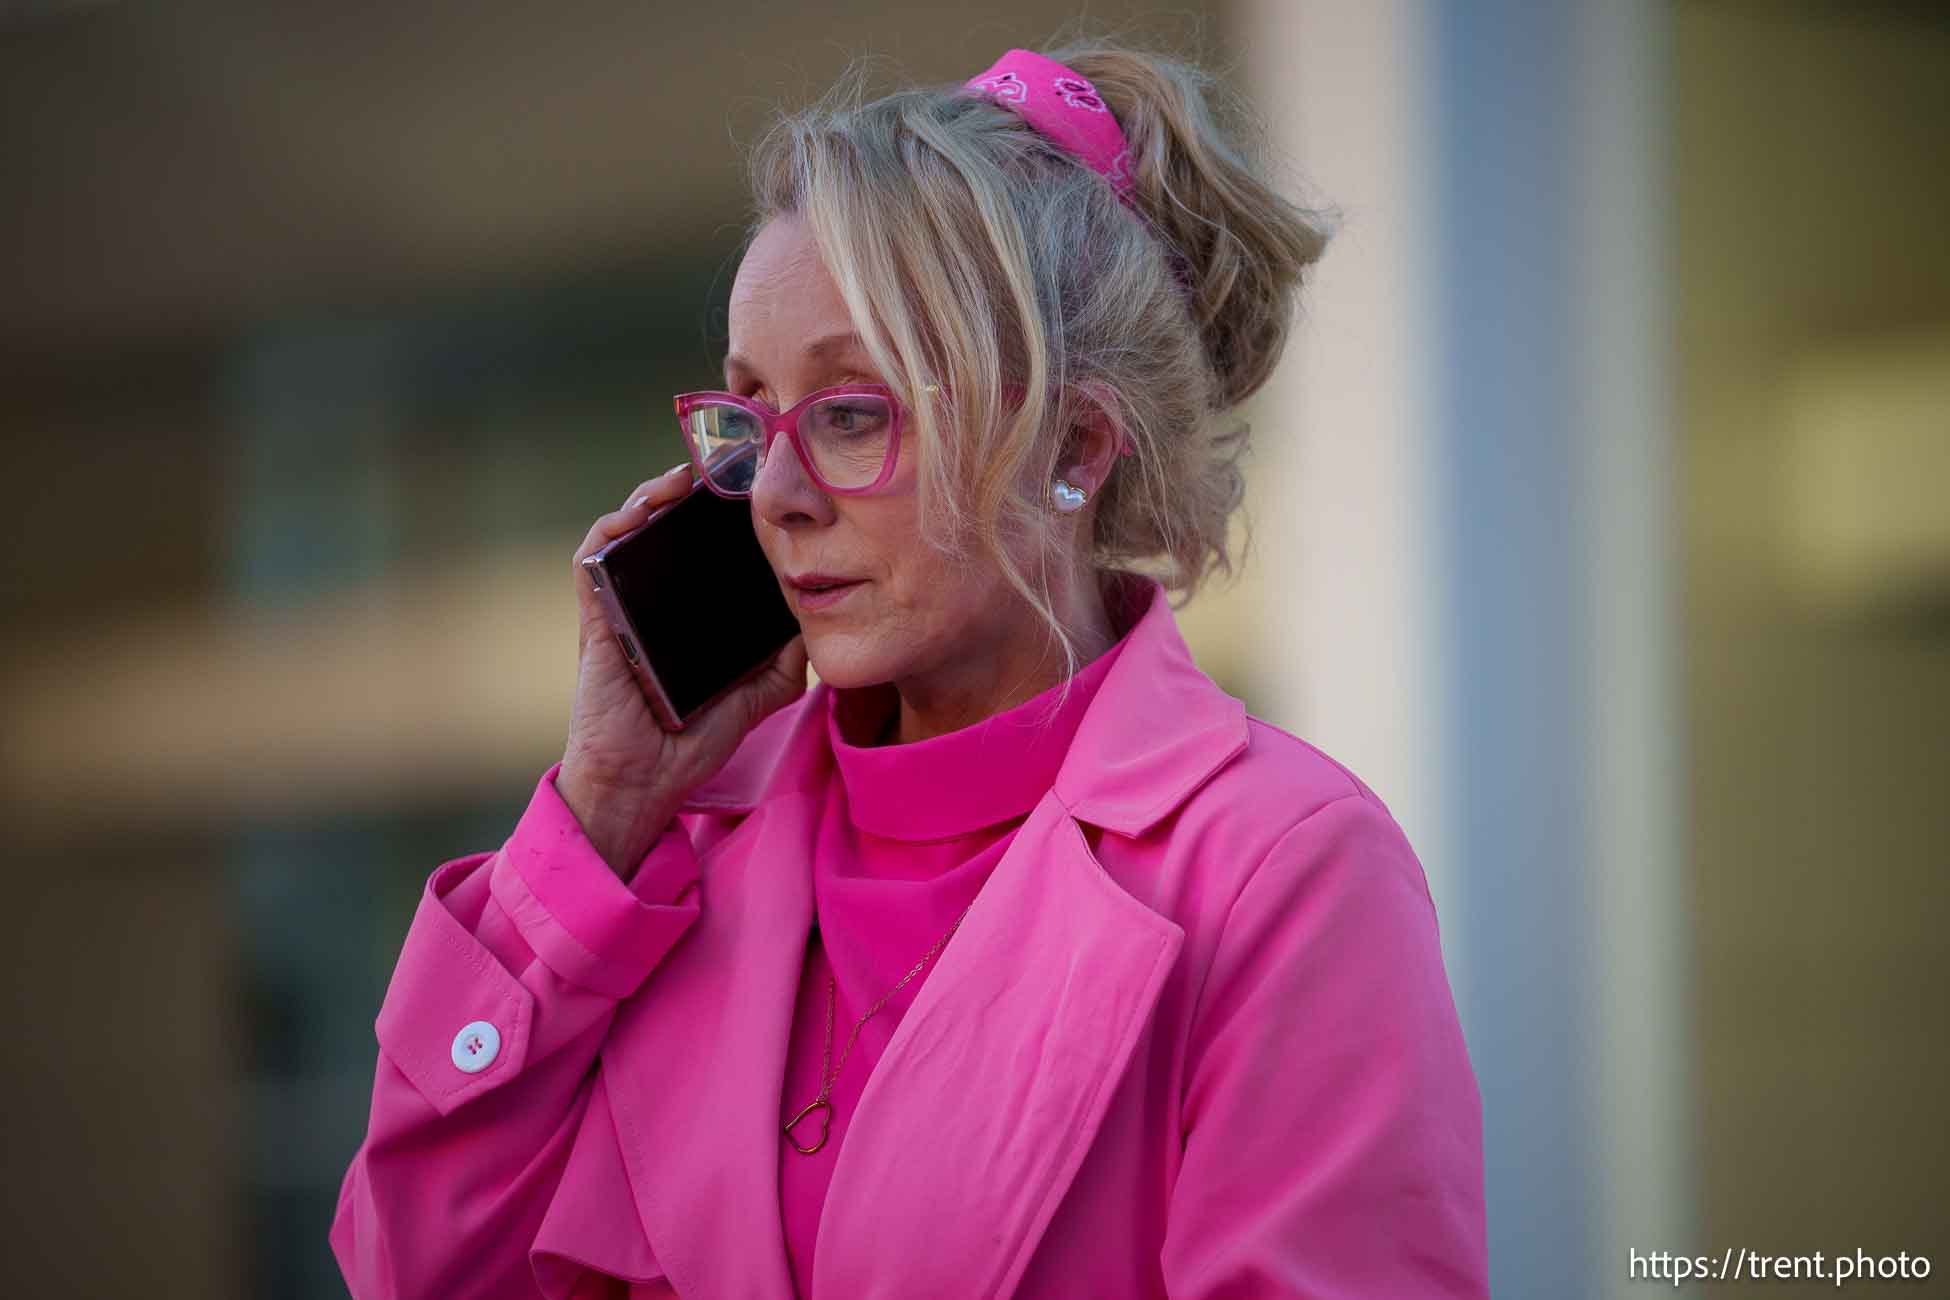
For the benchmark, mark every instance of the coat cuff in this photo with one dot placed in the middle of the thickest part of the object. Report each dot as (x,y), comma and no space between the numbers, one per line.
(582,922)
(445,987)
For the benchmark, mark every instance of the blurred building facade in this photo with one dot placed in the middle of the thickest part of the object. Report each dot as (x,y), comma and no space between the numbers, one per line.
(1595,524)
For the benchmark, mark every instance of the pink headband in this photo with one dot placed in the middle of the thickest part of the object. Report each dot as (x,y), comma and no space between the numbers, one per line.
(1065,108)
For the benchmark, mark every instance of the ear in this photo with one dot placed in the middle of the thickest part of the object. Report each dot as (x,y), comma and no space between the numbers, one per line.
(1094,441)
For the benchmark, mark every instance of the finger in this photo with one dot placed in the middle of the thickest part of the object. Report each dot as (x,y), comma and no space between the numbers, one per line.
(649,495)
(652,494)
(794,659)
(652,485)
(783,681)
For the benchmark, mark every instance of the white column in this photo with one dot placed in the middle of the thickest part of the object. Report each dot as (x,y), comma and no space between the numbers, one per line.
(1461,579)
(1342,612)
(1642,972)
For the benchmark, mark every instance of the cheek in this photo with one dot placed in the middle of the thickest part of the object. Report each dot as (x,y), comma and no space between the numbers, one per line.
(888,531)
(937,602)
(912,570)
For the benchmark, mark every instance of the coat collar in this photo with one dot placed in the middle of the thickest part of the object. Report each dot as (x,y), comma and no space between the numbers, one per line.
(1156,730)
(991,1090)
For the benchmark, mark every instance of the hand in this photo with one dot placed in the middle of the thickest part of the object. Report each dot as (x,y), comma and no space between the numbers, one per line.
(622,774)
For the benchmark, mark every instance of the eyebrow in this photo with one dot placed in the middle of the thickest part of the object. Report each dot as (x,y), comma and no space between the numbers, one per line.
(825,346)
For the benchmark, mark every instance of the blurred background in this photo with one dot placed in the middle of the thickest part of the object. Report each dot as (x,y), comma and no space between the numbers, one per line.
(1597,520)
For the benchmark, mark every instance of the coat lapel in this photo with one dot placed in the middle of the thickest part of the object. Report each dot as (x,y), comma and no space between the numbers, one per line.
(977,1117)
(696,1062)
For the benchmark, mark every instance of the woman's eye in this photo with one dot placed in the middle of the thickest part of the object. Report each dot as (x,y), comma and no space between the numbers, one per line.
(852,419)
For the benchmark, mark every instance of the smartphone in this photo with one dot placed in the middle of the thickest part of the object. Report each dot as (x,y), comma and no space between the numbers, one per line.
(693,602)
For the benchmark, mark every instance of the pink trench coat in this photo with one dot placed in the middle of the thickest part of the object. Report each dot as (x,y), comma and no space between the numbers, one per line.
(1194,1039)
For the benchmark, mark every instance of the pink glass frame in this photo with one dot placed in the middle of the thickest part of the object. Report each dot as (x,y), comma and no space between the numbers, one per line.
(775,423)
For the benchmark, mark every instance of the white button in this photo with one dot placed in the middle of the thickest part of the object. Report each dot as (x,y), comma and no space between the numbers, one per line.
(476,1046)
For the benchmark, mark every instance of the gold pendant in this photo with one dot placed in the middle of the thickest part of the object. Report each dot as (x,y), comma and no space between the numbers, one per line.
(825,1127)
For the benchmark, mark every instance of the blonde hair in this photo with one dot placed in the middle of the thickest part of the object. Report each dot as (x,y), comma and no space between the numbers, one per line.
(973,252)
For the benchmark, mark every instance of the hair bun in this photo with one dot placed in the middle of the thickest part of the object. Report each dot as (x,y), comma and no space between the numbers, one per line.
(1243,249)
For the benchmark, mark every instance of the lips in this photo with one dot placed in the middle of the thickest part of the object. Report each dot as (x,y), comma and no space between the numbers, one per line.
(815,593)
(816,582)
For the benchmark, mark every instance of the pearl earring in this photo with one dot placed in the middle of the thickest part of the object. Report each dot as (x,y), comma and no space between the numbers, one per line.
(1068,496)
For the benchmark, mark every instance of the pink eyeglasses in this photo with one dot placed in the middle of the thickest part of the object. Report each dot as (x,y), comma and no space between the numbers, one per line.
(847,437)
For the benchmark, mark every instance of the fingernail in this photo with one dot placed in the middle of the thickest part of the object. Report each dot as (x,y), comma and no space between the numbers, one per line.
(640,502)
(680,465)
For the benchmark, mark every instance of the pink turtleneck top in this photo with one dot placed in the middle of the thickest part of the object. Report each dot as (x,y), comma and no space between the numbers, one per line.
(908,835)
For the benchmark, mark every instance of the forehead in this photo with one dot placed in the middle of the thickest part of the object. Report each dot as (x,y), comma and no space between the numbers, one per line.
(783,287)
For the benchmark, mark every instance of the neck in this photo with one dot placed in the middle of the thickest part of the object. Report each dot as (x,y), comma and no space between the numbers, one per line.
(1009,664)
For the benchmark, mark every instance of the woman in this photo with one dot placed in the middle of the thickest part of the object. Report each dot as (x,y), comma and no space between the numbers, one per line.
(1014,958)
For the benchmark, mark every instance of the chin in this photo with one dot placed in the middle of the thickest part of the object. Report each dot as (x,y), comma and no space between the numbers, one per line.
(848,661)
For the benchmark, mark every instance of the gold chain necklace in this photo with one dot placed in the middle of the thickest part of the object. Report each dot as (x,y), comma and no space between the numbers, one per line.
(830,1072)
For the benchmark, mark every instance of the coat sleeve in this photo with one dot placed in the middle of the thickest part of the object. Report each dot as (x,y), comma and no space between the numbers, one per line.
(1332,1127)
(511,972)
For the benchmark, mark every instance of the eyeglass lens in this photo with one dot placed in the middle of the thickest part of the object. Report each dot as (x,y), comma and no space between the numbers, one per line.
(847,439)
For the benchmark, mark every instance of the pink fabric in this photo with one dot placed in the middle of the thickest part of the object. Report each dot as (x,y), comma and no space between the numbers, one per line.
(907,838)
(1193,1039)
(1062,106)
(1065,108)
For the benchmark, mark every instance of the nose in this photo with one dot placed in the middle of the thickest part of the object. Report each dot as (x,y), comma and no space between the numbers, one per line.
(784,495)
